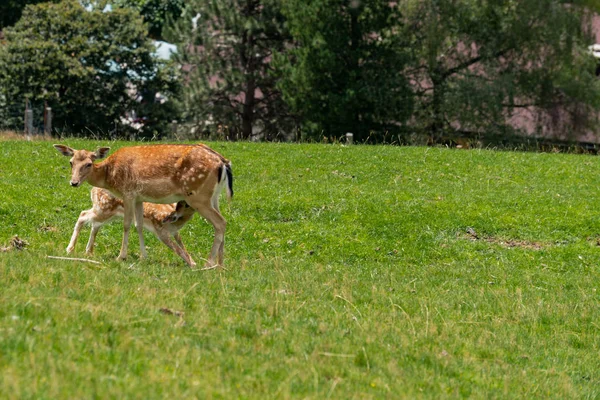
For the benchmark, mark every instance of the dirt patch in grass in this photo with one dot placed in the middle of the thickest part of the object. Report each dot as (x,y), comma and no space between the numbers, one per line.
(594,240)
(470,234)
(15,243)
(48,228)
(523,244)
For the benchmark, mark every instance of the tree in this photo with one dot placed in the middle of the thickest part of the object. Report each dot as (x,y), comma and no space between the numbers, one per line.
(91,67)
(480,63)
(345,72)
(226,47)
(156,13)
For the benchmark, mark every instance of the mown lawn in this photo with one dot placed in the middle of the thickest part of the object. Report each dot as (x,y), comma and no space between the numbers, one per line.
(351,272)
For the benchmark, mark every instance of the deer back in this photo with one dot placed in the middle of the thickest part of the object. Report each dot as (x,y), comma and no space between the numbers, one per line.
(162,173)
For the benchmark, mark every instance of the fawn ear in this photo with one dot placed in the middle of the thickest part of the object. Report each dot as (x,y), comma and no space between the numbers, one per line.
(101,152)
(64,150)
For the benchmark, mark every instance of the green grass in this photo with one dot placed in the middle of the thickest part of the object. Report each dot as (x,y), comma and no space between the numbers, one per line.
(349,275)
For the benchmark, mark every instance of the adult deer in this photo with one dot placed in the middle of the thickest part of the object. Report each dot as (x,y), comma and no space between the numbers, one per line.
(158,174)
(164,220)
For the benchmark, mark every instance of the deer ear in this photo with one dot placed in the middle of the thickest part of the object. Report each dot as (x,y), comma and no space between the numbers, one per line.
(101,152)
(64,150)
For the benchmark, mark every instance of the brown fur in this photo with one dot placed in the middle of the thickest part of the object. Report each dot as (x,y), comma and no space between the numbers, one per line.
(164,220)
(157,174)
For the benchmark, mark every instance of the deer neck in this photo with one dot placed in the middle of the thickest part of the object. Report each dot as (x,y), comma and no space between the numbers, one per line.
(97,176)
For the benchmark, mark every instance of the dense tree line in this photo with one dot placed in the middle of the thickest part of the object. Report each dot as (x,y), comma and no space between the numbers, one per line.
(228,48)
(283,69)
(91,67)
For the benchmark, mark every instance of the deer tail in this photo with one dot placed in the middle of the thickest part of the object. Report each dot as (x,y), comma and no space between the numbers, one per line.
(227,175)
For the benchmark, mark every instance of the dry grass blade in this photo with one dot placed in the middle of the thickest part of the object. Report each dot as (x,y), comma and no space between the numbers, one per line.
(326,354)
(73,259)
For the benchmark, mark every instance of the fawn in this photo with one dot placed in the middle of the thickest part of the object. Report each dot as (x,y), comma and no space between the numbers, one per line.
(164,220)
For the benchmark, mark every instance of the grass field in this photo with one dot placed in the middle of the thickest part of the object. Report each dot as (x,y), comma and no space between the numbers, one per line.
(351,272)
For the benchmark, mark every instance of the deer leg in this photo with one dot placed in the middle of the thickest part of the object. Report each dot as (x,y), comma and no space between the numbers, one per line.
(215,204)
(216,219)
(214,201)
(177,237)
(139,224)
(129,210)
(84,217)
(221,251)
(89,249)
(164,237)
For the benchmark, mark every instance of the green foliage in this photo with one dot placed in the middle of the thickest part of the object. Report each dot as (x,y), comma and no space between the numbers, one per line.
(592,5)
(350,274)
(438,69)
(472,66)
(155,12)
(345,73)
(227,52)
(89,66)
(478,63)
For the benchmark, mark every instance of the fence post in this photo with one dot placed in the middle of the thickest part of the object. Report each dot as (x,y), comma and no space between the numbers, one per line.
(48,121)
(349,138)
(29,121)
(174,129)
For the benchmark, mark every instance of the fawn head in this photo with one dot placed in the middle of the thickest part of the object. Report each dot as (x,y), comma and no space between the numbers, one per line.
(182,210)
(81,161)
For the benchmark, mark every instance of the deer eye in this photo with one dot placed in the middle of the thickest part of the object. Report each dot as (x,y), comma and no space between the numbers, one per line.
(71,162)
(88,165)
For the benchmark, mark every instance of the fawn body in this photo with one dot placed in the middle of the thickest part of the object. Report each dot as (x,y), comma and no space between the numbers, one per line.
(164,220)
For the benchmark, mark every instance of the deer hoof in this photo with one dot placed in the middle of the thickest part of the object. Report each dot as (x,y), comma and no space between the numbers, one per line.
(211,265)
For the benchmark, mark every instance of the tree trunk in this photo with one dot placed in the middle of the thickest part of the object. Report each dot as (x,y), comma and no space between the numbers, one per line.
(436,127)
(355,39)
(248,109)
(249,63)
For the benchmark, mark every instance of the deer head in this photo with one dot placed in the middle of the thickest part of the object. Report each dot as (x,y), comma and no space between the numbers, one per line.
(82,161)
